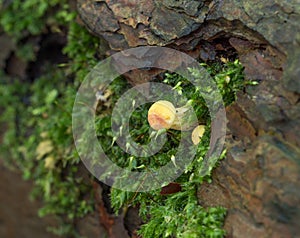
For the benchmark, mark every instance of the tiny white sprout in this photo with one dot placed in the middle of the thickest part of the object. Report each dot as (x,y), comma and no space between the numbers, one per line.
(120,130)
(113,141)
(227,79)
(152,134)
(159,132)
(173,159)
(141,166)
(127,146)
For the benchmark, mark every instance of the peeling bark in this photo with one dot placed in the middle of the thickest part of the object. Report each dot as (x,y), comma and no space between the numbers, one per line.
(259,181)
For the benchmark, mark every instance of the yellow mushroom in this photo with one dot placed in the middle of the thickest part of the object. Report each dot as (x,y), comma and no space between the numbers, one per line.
(163,115)
(197,134)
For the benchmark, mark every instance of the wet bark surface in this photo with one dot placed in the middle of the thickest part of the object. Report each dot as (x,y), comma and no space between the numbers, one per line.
(259,180)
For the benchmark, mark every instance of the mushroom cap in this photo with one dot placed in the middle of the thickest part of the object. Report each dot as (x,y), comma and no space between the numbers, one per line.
(197,134)
(161,115)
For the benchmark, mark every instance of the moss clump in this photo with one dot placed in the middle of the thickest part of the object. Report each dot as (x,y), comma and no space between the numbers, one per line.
(38,135)
(38,138)
(178,214)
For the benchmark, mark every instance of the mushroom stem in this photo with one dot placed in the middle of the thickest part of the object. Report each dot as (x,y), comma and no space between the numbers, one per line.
(184,120)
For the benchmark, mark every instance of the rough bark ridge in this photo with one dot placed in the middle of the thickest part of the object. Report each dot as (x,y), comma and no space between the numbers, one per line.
(259,181)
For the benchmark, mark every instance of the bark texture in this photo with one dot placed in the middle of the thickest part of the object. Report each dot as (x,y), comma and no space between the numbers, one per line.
(259,181)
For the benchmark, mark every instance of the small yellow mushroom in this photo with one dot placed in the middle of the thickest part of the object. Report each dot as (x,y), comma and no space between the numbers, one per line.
(197,134)
(161,115)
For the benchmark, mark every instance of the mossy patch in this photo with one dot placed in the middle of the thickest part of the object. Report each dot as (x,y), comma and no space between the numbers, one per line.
(38,139)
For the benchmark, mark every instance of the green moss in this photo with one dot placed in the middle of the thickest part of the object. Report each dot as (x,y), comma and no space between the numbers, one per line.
(19,20)
(179,214)
(39,116)
(46,112)
(40,144)
(38,137)
(82,49)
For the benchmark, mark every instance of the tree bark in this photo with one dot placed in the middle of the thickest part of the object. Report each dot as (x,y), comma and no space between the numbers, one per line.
(259,180)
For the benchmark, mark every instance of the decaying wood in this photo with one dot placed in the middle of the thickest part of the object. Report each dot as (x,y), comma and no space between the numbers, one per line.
(113,225)
(259,181)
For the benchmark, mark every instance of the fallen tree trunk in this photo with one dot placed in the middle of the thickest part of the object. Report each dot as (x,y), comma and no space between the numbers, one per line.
(259,181)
